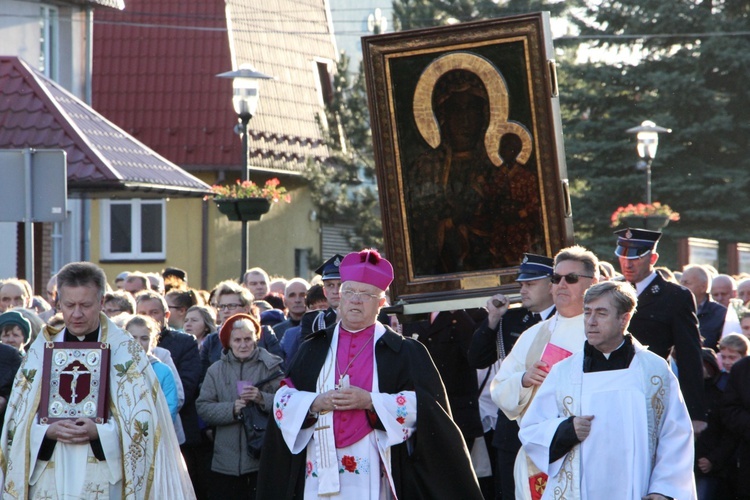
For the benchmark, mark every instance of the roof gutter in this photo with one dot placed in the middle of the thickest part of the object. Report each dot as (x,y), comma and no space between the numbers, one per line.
(126,189)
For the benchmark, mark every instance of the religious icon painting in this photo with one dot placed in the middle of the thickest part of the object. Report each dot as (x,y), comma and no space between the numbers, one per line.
(469,154)
(75,382)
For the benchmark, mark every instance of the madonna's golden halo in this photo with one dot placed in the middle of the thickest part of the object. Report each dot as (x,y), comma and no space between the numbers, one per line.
(497,93)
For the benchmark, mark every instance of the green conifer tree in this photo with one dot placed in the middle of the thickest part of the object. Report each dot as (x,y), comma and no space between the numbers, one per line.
(691,77)
(344,188)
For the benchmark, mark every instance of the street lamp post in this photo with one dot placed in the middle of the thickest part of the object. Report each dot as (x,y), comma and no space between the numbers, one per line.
(245,96)
(647,134)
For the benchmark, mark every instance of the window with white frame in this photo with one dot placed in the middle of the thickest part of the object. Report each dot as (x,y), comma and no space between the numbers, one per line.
(49,29)
(133,229)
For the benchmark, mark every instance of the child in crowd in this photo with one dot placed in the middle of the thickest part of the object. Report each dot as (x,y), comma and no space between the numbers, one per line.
(735,411)
(715,447)
(745,323)
(146,331)
(732,348)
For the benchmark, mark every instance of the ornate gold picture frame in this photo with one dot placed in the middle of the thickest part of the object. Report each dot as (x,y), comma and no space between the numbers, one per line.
(469,153)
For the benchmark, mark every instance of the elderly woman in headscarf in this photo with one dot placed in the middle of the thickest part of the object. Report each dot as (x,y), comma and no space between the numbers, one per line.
(231,384)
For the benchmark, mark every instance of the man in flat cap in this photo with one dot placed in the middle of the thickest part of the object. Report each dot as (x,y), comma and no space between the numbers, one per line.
(362,412)
(497,335)
(665,316)
(315,319)
(174,278)
(320,320)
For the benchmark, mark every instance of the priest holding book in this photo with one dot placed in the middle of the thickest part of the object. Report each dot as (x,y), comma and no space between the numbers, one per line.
(539,348)
(55,443)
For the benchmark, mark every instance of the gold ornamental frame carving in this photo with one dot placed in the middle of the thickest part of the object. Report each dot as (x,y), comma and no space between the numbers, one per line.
(513,59)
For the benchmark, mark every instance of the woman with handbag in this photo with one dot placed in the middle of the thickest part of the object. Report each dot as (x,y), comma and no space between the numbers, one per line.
(245,376)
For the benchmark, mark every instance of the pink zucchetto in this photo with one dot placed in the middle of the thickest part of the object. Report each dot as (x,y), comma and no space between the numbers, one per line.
(368,267)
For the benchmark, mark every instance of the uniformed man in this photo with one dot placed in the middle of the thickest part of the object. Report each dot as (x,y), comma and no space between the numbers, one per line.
(665,316)
(447,336)
(495,338)
(320,320)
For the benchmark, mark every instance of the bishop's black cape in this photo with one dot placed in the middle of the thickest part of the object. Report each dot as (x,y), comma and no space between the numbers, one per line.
(439,466)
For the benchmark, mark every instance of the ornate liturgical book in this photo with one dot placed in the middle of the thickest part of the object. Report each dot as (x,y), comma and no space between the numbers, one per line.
(75,381)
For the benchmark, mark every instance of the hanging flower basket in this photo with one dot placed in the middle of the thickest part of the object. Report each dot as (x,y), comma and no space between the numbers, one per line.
(653,222)
(645,216)
(245,209)
(246,201)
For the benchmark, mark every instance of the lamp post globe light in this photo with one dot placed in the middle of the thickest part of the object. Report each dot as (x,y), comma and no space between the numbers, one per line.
(245,96)
(647,135)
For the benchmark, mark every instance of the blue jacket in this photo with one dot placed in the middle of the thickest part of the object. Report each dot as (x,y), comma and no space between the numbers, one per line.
(168,387)
(184,350)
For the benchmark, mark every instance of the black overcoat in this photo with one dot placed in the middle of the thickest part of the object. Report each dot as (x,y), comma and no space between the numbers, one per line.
(438,467)
(665,317)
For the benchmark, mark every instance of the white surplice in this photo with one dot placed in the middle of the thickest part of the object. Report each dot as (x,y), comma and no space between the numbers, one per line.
(143,459)
(509,394)
(641,438)
(358,466)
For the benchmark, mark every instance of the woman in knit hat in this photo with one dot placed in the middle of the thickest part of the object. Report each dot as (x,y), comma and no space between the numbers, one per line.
(246,374)
(14,329)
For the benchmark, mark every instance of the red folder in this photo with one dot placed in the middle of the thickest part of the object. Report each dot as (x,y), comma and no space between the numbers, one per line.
(554,354)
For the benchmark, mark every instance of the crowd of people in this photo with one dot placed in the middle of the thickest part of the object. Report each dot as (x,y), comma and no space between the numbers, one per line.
(275,388)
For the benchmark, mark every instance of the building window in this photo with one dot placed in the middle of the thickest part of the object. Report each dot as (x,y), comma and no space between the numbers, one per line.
(324,81)
(49,41)
(133,229)
(302,262)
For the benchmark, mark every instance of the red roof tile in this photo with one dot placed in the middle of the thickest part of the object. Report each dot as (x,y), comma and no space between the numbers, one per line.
(155,67)
(36,112)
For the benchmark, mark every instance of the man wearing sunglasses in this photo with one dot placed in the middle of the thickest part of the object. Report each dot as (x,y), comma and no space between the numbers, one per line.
(495,338)
(665,317)
(540,347)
